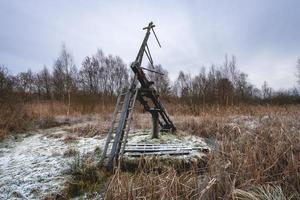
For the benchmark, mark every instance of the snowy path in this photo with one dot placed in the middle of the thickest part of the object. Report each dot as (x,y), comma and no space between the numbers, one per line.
(35,165)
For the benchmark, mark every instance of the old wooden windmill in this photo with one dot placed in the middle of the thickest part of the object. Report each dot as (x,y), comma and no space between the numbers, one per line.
(147,95)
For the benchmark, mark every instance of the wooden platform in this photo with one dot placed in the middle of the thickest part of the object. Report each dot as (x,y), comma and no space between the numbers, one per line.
(137,150)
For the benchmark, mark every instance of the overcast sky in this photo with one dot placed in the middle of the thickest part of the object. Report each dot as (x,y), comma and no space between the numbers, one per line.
(263,35)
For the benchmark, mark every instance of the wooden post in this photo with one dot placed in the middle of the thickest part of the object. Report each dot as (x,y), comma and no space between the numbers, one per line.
(155,125)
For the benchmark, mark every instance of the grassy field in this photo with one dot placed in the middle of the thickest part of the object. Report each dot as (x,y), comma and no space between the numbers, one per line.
(257,155)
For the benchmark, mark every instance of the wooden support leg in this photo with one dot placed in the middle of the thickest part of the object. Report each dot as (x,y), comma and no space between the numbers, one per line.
(155,125)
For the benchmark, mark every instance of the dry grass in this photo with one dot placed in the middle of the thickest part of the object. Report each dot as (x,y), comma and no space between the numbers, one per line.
(14,119)
(70,139)
(166,185)
(258,153)
(87,176)
(18,117)
(258,157)
(266,192)
(89,130)
(156,178)
(71,151)
(267,155)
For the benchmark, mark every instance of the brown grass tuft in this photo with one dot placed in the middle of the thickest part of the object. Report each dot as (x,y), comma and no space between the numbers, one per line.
(257,154)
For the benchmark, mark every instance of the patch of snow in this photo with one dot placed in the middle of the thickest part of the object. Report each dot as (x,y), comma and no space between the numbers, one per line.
(246,121)
(35,166)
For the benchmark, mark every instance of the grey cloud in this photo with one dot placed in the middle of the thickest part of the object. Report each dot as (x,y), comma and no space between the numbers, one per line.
(262,34)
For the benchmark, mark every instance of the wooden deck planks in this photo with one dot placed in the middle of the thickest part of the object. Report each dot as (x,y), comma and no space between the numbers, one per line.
(137,150)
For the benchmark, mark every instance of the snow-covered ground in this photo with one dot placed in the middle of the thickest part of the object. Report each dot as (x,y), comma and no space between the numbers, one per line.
(35,164)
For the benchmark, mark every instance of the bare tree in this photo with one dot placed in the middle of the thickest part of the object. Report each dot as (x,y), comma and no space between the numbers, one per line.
(6,82)
(89,75)
(64,75)
(43,82)
(116,75)
(120,74)
(102,71)
(241,86)
(212,84)
(183,84)
(266,91)
(223,85)
(105,75)
(58,80)
(200,85)
(25,84)
(225,91)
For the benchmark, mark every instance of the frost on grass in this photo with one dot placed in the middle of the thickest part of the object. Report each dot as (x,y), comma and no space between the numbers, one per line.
(248,122)
(35,165)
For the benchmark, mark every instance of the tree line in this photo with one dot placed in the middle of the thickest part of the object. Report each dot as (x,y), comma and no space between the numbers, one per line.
(227,85)
(101,76)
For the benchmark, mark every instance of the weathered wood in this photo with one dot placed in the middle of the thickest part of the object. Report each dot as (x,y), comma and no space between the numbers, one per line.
(112,126)
(149,144)
(155,127)
(162,148)
(166,147)
(146,90)
(130,117)
(158,150)
(171,153)
(119,128)
(147,93)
